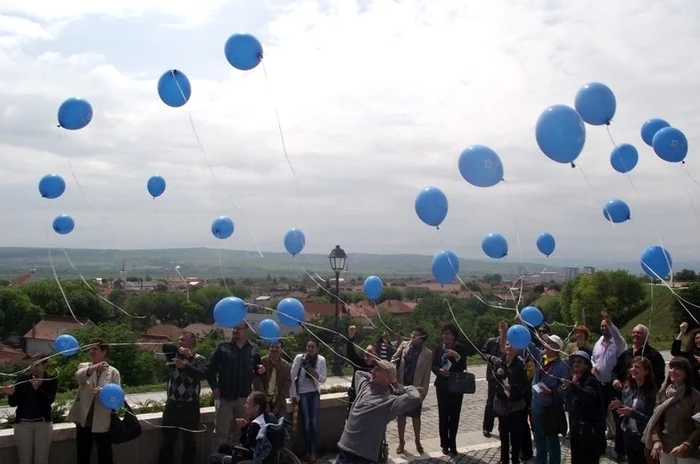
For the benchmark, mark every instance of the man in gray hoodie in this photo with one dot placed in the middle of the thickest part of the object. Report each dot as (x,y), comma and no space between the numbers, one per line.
(379,401)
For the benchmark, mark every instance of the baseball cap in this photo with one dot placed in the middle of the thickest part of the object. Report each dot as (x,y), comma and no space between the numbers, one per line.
(387,366)
(553,342)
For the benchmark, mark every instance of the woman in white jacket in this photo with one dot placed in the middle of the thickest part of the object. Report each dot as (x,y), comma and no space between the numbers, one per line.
(92,419)
(308,373)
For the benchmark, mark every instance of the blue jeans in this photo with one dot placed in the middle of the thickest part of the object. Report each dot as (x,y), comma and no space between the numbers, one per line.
(547,446)
(309,404)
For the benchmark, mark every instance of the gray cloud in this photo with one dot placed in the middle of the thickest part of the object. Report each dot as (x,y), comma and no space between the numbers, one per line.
(372,111)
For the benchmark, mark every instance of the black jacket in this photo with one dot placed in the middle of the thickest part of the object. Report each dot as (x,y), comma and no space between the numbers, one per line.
(359,364)
(625,359)
(586,404)
(30,403)
(492,347)
(516,374)
(441,382)
(231,369)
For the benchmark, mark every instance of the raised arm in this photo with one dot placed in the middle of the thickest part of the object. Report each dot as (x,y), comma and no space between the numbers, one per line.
(404,399)
(620,343)
(196,367)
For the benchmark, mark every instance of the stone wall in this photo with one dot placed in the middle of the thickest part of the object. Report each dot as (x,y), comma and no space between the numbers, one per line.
(145,449)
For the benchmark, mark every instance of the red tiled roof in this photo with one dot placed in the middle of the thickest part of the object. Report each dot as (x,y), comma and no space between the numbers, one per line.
(152,343)
(396,307)
(169,331)
(321,309)
(202,330)
(51,327)
(9,355)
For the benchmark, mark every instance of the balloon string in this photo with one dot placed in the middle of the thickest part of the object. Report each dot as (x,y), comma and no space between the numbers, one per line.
(306,326)
(517,236)
(211,169)
(95,292)
(221,271)
(29,380)
(187,284)
(483,356)
(607,127)
(347,306)
(690,197)
(680,299)
(55,276)
(167,426)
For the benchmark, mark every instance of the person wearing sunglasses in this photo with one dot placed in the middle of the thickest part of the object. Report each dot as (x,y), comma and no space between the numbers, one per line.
(586,411)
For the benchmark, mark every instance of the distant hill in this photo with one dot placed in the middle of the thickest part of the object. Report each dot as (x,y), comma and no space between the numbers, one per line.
(209,262)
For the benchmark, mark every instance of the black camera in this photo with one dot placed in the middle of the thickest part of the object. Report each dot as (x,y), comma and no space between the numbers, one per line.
(305,363)
(170,351)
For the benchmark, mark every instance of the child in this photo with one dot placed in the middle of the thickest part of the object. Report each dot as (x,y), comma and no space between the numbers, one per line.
(255,406)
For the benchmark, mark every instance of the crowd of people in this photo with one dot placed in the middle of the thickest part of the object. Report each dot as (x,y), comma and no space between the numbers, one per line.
(610,391)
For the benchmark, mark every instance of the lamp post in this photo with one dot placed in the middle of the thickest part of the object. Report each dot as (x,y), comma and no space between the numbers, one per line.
(337,258)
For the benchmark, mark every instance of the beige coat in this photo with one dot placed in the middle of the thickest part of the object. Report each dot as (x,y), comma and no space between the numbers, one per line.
(421,378)
(101,418)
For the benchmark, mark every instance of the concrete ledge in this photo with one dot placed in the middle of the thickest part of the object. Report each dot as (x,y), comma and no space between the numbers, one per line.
(146,448)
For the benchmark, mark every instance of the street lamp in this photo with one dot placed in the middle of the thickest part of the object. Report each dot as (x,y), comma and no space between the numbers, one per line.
(337,258)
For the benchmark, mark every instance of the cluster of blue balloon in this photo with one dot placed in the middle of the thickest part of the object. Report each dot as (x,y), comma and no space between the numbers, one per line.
(52,186)
(231,311)
(519,336)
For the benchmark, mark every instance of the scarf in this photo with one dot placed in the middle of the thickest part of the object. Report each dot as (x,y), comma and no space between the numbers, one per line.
(670,394)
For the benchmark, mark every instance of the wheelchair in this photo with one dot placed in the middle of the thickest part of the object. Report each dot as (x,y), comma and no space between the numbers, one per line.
(279,454)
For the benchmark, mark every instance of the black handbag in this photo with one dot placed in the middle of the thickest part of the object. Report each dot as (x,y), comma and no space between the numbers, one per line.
(126,429)
(461,382)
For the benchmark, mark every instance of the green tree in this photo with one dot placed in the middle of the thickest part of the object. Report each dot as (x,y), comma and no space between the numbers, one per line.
(391,293)
(19,313)
(136,366)
(691,295)
(618,292)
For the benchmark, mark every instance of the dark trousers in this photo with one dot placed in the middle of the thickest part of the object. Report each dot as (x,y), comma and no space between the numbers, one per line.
(587,443)
(84,439)
(184,414)
(449,409)
(488,409)
(526,443)
(510,430)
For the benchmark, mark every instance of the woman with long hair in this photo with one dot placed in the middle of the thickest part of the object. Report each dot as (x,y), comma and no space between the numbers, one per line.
(308,373)
(672,435)
(636,407)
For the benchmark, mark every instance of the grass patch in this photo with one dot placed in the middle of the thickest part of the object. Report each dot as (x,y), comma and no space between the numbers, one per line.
(659,318)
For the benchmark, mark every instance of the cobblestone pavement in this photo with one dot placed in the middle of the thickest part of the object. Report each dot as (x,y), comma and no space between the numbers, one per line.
(473,447)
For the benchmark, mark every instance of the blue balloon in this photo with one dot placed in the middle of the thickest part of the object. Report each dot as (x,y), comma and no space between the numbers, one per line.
(63,224)
(52,186)
(656,262)
(650,128)
(174,88)
(480,166)
(290,312)
(269,331)
(66,344)
(243,51)
(596,104)
(112,396)
(74,114)
(222,227)
(546,243)
(532,316)
(156,186)
(431,206)
(373,288)
(294,241)
(495,246)
(670,144)
(229,312)
(624,158)
(445,266)
(519,337)
(560,133)
(616,211)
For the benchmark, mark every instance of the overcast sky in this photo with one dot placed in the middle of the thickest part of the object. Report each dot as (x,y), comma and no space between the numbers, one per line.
(376,98)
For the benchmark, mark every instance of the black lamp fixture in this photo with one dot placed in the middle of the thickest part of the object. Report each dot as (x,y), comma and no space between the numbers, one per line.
(337,259)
